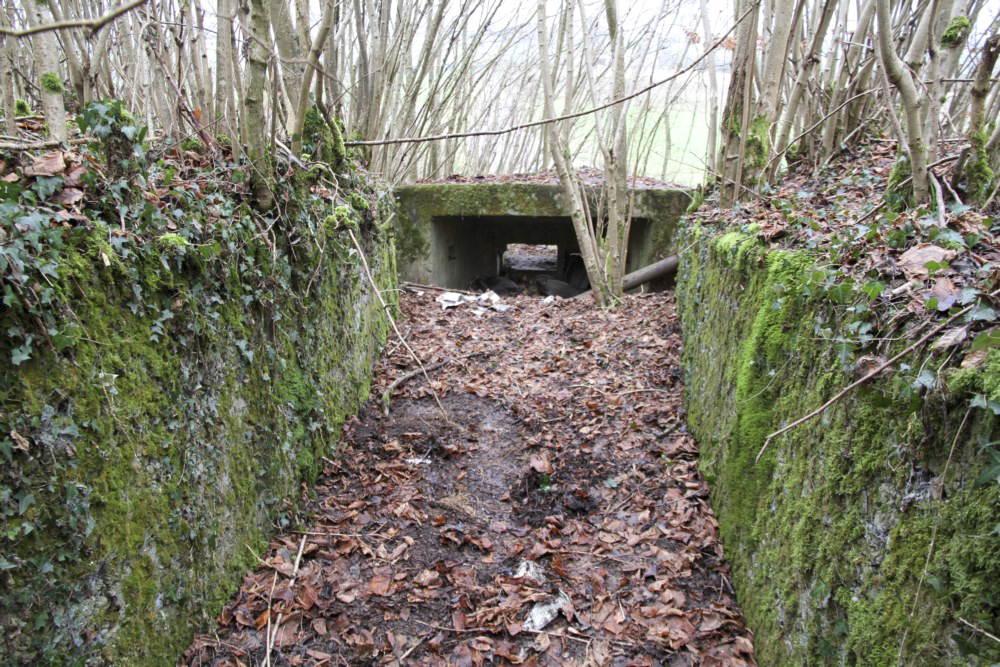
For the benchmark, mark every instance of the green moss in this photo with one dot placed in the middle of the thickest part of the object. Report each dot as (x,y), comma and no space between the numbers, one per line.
(978,174)
(172,241)
(21,108)
(956,32)
(167,438)
(829,533)
(897,196)
(758,144)
(51,82)
(696,201)
(981,379)
(325,139)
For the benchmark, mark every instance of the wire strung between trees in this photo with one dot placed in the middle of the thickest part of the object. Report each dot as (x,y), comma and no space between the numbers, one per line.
(557,119)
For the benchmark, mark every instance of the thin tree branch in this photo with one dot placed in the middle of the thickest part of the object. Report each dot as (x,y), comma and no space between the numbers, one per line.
(854,385)
(93,24)
(558,119)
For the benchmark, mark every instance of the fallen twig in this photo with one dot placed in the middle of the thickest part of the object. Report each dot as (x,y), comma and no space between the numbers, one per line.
(38,145)
(392,321)
(980,630)
(432,288)
(854,385)
(418,371)
(410,650)
(271,636)
(585,638)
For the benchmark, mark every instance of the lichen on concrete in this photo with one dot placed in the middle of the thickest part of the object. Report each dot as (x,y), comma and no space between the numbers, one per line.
(829,533)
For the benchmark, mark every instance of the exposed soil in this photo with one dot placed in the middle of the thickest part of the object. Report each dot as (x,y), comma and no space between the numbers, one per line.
(556,516)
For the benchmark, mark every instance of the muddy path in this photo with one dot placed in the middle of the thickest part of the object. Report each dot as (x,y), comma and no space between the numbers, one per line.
(555,517)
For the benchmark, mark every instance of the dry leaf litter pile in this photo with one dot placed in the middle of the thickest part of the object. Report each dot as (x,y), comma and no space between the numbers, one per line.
(555,517)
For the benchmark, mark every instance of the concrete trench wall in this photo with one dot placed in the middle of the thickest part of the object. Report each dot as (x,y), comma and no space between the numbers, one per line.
(161,456)
(448,234)
(828,535)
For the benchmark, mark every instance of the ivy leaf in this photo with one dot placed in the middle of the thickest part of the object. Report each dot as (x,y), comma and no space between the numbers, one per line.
(21,354)
(965,647)
(980,401)
(991,473)
(873,288)
(985,340)
(926,379)
(981,312)
(26,501)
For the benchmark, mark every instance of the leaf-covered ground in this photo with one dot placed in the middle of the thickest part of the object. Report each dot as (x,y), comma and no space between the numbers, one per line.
(555,517)
(924,263)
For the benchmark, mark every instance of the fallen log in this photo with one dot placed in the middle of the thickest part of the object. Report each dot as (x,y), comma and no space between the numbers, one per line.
(660,269)
(664,267)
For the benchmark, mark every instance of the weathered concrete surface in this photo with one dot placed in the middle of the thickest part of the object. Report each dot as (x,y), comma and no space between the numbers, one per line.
(450,233)
(830,534)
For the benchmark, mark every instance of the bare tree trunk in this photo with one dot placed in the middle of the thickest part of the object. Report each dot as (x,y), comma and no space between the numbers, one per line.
(574,198)
(978,173)
(253,113)
(7,85)
(759,143)
(713,99)
(912,102)
(50,81)
(299,118)
(223,60)
(801,81)
(739,102)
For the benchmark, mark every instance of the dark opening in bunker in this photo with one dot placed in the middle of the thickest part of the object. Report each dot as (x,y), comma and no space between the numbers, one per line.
(465,248)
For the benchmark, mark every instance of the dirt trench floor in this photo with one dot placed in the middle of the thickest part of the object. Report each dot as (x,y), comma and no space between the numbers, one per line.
(556,516)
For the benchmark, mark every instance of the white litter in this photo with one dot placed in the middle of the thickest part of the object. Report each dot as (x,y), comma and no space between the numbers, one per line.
(530,571)
(487,299)
(452,299)
(544,613)
(419,461)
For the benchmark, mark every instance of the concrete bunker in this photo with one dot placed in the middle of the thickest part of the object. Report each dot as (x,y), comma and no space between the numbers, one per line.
(466,247)
(449,234)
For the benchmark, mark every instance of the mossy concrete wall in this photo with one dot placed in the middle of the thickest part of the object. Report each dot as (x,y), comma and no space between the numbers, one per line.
(450,233)
(153,460)
(828,535)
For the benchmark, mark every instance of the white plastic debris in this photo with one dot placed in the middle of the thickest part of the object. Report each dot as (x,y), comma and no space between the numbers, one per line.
(418,461)
(486,299)
(548,299)
(452,299)
(531,571)
(544,613)
(489,297)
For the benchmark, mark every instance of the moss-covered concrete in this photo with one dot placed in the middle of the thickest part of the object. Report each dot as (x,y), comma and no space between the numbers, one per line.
(447,233)
(148,464)
(829,533)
